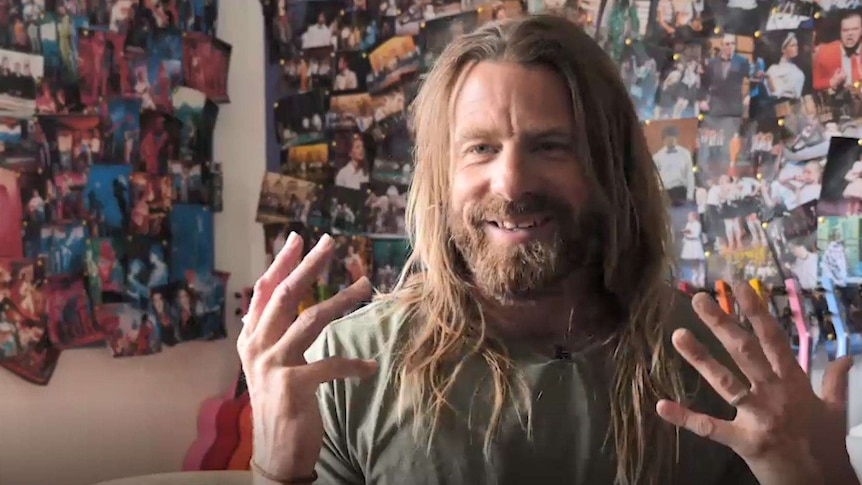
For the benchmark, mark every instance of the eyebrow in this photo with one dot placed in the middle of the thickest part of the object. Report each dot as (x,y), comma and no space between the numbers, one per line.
(468,134)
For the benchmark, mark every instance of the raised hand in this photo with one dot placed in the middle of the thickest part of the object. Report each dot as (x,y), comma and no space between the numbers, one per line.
(288,431)
(785,433)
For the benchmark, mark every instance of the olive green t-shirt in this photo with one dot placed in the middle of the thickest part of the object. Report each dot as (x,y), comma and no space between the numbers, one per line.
(364,442)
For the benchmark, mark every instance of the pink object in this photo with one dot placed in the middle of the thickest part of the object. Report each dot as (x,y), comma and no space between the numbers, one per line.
(796,312)
(207,431)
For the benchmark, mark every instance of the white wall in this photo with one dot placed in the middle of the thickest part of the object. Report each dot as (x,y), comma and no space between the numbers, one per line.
(101,418)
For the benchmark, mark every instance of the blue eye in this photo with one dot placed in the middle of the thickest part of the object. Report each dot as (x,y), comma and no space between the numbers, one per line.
(482,149)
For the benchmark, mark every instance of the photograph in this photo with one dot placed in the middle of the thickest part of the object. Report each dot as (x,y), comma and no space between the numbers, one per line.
(20,26)
(838,250)
(361,26)
(146,268)
(688,244)
(615,21)
(782,68)
(836,33)
(187,182)
(283,199)
(675,93)
(164,314)
(299,118)
(347,210)
(191,240)
(190,312)
(37,364)
(311,69)
(308,162)
(32,186)
(11,215)
(205,65)
(147,81)
(197,116)
(741,17)
(20,74)
(199,15)
(167,49)
(70,321)
(351,71)
(392,60)
(123,134)
(389,257)
(677,21)
(351,262)
(389,108)
(808,124)
(65,194)
(210,289)
(94,65)
(385,208)
(129,331)
(60,47)
(107,200)
(672,144)
(22,290)
(732,214)
(761,147)
(792,15)
(351,155)
(436,34)
(106,274)
(66,248)
(841,192)
(75,142)
(160,141)
(719,145)
(349,112)
(724,81)
(393,158)
(22,144)
(413,13)
(150,197)
(16,334)
(285,23)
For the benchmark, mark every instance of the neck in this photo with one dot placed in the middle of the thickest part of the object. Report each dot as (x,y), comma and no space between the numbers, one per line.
(570,312)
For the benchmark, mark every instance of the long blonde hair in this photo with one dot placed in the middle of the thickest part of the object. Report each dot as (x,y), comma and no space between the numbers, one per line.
(449,326)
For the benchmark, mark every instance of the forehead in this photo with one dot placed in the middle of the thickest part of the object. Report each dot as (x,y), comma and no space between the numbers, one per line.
(511,98)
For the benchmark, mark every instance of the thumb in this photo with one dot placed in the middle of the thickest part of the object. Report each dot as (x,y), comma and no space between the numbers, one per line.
(835,381)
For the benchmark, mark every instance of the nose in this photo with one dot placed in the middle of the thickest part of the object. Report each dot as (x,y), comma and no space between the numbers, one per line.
(512,176)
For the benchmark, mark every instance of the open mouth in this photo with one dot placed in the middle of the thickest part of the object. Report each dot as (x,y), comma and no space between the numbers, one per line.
(522,224)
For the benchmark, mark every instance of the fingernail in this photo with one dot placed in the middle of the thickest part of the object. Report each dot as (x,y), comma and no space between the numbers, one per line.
(325,241)
(291,240)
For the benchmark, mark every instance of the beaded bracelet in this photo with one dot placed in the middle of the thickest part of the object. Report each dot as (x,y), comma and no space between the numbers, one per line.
(283,481)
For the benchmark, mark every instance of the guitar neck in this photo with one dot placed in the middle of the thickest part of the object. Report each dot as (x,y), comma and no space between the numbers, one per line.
(794,299)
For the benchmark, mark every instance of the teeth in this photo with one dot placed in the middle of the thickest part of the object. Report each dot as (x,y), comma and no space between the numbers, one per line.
(509,225)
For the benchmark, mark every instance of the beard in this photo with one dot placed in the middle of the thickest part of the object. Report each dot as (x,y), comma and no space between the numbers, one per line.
(516,272)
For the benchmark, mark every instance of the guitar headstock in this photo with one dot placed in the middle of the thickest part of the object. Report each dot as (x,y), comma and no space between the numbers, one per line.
(842,336)
(724,296)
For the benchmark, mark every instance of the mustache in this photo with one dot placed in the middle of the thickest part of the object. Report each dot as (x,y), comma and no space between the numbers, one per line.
(496,208)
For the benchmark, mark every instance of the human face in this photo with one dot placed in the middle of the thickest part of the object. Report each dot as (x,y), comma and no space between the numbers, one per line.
(728,46)
(517,190)
(357,150)
(851,31)
(791,50)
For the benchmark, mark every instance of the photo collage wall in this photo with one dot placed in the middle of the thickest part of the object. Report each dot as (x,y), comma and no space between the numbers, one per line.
(107,180)
(749,108)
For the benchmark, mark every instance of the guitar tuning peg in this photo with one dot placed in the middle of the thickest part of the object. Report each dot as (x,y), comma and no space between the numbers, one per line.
(237,312)
(237,295)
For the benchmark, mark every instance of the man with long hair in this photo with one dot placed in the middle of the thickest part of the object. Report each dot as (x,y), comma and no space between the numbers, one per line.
(530,338)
